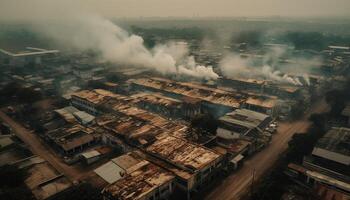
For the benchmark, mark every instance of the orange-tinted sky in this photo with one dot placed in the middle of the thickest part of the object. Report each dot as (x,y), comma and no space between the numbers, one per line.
(183,8)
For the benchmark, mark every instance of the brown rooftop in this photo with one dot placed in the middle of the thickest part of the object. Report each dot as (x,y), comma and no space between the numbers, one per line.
(143,180)
(156,98)
(182,153)
(194,90)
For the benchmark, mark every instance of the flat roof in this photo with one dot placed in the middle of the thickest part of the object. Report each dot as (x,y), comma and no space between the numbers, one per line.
(182,153)
(91,154)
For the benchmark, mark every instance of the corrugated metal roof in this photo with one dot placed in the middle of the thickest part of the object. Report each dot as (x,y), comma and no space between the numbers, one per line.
(244,117)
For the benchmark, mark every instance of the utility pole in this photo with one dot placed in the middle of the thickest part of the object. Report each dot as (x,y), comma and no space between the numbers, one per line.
(252,184)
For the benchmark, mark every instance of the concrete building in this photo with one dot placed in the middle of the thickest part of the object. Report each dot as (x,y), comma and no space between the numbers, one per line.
(89,101)
(29,56)
(72,139)
(139,180)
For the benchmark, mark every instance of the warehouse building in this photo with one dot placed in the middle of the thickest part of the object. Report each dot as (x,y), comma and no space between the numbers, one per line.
(244,124)
(214,101)
(166,106)
(30,56)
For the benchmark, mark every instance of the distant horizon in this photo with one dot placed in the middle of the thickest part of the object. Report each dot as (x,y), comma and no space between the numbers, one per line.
(251,18)
(19,10)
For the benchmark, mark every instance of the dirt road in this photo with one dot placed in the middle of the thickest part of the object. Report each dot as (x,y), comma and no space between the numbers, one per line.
(38,147)
(236,185)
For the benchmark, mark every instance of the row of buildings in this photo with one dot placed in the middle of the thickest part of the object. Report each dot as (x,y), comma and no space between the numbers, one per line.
(162,155)
(215,101)
(162,144)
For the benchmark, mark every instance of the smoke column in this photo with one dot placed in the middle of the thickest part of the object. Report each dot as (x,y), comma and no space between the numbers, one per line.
(68,23)
(117,46)
(233,66)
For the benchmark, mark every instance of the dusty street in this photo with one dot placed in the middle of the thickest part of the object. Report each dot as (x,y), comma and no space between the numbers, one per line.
(38,147)
(238,183)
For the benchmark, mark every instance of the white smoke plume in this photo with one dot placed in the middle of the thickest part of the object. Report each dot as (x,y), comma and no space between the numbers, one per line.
(306,78)
(116,45)
(234,66)
(85,31)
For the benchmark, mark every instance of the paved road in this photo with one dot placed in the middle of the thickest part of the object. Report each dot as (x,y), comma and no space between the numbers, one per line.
(236,185)
(38,147)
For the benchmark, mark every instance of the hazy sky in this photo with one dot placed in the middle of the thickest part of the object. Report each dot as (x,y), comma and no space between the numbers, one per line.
(184,8)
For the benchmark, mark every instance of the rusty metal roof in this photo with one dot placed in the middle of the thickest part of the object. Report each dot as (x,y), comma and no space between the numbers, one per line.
(213,95)
(144,179)
(182,153)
